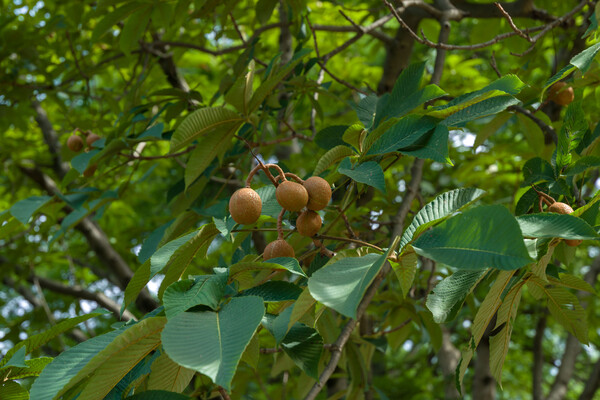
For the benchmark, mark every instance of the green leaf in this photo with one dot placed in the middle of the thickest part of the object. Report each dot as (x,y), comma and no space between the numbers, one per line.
(564,307)
(158,395)
(582,61)
(480,109)
(450,293)
(365,110)
(402,134)
(167,375)
(134,28)
(203,122)
(204,290)
(68,363)
(341,285)
(114,17)
(433,146)
(333,156)
(571,282)
(331,136)
(138,281)
(209,147)
(440,208)
(369,173)
(536,170)
(13,391)
(34,342)
(304,345)
(18,359)
(301,306)
(479,238)
(549,225)
(213,343)
(267,87)
(118,358)
(24,209)
(492,127)
(274,291)
(241,91)
(571,134)
(264,10)
(582,165)
(499,343)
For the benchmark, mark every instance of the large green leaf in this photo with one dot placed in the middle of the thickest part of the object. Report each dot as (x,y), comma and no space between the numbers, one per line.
(549,225)
(571,134)
(32,367)
(158,395)
(304,345)
(118,358)
(341,285)
(479,238)
(167,375)
(134,28)
(433,145)
(583,164)
(480,109)
(405,270)
(537,169)
(203,122)
(204,290)
(241,91)
(10,390)
(369,173)
(274,291)
(441,207)
(581,61)
(335,155)
(213,342)
(41,339)
(279,263)
(331,136)
(68,363)
(449,294)
(114,17)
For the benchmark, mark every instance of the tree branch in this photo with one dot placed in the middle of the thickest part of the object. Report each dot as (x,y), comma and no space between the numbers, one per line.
(538,359)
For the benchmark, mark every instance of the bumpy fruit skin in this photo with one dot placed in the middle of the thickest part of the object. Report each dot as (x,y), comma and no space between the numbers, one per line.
(75,143)
(562,208)
(91,138)
(319,193)
(308,223)
(89,171)
(245,206)
(278,248)
(291,195)
(560,94)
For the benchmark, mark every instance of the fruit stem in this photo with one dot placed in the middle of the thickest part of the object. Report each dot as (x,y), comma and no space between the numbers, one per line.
(322,249)
(280,224)
(343,239)
(549,200)
(293,176)
(265,168)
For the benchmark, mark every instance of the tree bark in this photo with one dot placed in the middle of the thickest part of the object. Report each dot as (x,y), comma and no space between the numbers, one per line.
(484,384)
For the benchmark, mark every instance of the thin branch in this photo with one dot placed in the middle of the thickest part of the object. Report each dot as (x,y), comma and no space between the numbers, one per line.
(83,74)
(547,129)
(512,24)
(343,239)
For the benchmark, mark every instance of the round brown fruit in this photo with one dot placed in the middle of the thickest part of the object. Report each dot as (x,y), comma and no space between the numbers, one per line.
(563,208)
(89,171)
(75,143)
(278,248)
(561,94)
(245,206)
(319,193)
(291,195)
(92,137)
(308,223)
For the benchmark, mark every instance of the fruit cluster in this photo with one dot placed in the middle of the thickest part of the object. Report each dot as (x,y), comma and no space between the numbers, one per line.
(303,196)
(75,143)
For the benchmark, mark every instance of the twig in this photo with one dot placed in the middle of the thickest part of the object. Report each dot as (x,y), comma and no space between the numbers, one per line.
(343,239)
(494,65)
(548,130)
(223,393)
(512,24)
(83,74)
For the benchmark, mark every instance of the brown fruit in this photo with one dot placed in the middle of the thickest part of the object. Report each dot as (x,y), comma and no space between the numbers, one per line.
(91,138)
(89,171)
(319,193)
(245,206)
(291,195)
(75,143)
(278,248)
(563,208)
(561,94)
(308,223)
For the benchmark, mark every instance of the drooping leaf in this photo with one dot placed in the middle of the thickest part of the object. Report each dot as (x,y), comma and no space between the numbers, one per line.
(582,61)
(537,169)
(486,107)
(549,225)
(67,364)
(441,207)
(583,164)
(333,156)
(118,358)
(365,110)
(304,345)
(204,290)
(451,292)
(168,375)
(301,306)
(479,238)
(571,282)
(369,173)
(209,147)
(405,270)
(202,122)
(402,134)
(341,285)
(213,342)
(499,342)
(241,91)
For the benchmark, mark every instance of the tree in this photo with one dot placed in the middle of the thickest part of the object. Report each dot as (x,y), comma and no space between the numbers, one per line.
(445,266)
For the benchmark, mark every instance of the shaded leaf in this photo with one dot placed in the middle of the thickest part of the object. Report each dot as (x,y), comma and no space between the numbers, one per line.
(369,173)
(202,122)
(205,290)
(168,375)
(333,156)
(451,292)
(549,225)
(304,345)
